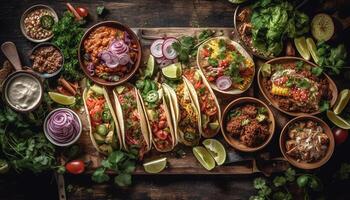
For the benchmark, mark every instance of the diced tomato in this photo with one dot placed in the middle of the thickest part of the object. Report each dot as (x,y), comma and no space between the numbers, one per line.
(205,52)
(197,85)
(211,79)
(162,124)
(161,134)
(281,80)
(223,63)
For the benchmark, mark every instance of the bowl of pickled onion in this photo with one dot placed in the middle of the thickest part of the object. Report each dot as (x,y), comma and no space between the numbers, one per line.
(62,127)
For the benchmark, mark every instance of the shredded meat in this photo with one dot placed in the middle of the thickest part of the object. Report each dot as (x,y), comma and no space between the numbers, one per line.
(247,128)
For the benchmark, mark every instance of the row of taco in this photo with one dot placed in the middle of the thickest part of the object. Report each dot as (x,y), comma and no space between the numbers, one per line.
(153,114)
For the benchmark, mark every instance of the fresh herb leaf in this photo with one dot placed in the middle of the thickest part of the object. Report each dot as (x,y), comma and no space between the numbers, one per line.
(67,35)
(123,180)
(299,65)
(213,62)
(100,10)
(99,175)
(290,174)
(259,183)
(303,83)
(324,105)
(279,181)
(316,71)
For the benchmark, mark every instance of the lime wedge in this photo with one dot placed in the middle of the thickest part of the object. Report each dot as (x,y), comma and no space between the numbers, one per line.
(155,166)
(216,150)
(337,120)
(172,71)
(266,70)
(300,44)
(120,89)
(62,99)
(204,157)
(97,89)
(342,101)
(150,66)
(312,49)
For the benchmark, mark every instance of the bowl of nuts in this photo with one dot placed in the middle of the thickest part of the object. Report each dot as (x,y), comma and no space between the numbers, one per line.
(37,23)
(47,60)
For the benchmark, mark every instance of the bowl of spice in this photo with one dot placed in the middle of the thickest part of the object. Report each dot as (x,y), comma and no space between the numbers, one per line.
(62,127)
(47,60)
(37,23)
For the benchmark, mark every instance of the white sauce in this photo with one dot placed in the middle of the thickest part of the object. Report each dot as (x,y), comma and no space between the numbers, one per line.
(23,92)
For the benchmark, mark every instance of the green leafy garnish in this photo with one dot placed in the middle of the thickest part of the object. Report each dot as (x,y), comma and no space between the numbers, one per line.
(324,105)
(273,21)
(124,163)
(331,59)
(67,35)
(100,10)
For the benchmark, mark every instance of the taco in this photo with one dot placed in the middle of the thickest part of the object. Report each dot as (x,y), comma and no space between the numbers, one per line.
(205,101)
(186,114)
(159,122)
(104,128)
(131,118)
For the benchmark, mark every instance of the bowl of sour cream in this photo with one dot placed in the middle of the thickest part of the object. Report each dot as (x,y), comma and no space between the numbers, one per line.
(23,91)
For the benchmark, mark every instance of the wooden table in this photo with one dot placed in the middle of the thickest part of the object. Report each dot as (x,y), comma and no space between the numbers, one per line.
(150,13)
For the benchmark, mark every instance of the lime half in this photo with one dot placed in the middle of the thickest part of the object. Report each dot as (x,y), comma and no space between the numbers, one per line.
(150,66)
(337,120)
(172,71)
(204,157)
(97,89)
(216,150)
(155,166)
(312,49)
(342,101)
(300,44)
(62,99)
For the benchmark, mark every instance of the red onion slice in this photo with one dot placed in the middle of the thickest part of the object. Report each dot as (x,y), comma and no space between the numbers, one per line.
(168,50)
(124,59)
(118,47)
(223,82)
(156,48)
(62,126)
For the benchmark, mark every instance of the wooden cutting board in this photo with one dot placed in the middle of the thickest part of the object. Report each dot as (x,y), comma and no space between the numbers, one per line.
(241,163)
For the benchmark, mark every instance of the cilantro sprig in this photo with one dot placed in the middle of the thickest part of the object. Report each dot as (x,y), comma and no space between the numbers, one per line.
(123,163)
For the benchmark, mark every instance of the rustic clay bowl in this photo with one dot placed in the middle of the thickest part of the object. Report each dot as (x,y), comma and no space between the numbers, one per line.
(119,26)
(285,60)
(303,164)
(235,143)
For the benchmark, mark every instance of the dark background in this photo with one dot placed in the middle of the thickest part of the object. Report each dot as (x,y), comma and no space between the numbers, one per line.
(148,13)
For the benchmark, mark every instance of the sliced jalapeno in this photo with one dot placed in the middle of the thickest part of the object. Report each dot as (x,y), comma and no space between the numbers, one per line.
(47,22)
(152,96)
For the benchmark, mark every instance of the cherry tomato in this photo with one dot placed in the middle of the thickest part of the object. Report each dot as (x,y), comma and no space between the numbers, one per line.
(340,135)
(75,167)
(83,12)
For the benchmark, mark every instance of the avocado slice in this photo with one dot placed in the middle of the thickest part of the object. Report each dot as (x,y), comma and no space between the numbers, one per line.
(99,138)
(97,89)
(214,125)
(106,148)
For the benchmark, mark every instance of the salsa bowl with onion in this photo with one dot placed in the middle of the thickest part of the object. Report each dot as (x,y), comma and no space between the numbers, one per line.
(62,127)
(109,53)
(226,65)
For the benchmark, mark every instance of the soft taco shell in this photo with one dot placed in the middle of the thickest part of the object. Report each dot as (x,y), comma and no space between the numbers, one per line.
(196,100)
(117,130)
(176,112)
(169,121)
(120,117)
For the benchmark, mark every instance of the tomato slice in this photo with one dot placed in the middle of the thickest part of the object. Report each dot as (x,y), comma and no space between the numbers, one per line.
(75,167)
